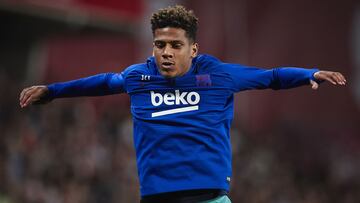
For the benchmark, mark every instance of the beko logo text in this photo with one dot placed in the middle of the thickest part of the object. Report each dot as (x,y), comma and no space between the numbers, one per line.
(177,98)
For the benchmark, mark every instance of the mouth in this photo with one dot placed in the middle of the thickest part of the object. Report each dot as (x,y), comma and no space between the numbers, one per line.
(166,65)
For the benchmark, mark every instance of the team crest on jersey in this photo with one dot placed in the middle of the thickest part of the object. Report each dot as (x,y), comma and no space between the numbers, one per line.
(203,80)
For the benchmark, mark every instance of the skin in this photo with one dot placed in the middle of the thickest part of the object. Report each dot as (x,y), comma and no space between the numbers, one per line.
(173,53)
(335,78)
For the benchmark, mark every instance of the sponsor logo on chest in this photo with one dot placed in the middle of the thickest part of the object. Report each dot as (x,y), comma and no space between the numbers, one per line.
(191,99)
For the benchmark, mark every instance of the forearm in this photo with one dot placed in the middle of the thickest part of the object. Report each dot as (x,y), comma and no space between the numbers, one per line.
(289,77)
(247,78)
(97,85)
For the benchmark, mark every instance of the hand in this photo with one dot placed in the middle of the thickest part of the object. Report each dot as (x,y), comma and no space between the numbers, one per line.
(33,95)
(335,78)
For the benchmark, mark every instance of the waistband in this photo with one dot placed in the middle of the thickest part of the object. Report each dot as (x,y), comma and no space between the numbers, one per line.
(186,196)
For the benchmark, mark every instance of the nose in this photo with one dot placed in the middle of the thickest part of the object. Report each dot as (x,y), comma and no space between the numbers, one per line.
(167,52)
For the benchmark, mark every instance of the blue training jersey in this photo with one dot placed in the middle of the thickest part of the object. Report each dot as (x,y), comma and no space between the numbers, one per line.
(182,124)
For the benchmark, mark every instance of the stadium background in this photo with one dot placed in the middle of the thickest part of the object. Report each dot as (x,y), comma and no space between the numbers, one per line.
(288,146)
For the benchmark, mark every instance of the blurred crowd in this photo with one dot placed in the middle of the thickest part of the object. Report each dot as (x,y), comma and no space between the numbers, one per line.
(69,152)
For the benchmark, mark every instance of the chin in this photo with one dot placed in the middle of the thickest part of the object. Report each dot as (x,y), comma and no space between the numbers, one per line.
(168,75)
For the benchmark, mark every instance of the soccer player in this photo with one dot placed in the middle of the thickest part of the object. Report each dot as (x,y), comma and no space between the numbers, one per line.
(182,108)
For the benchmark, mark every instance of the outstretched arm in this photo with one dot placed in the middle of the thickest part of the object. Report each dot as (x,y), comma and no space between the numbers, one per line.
(335,78)
(246,78)
(97,85)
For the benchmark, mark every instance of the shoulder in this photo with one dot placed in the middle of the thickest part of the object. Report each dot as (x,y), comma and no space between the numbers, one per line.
(208,63)
(140,68)
(206,60)
(204,63)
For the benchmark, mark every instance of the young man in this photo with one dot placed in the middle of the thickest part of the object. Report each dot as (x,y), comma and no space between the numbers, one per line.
(182,108)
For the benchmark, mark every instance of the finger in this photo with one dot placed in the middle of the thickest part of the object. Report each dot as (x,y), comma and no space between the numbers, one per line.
(27,95)
(25,101)
(337,78)
(22,97)
(314,85)
(25,91)
(329,79)
(342,78)
(30,100)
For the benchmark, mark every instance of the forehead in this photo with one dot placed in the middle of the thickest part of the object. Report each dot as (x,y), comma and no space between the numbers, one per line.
(170,33)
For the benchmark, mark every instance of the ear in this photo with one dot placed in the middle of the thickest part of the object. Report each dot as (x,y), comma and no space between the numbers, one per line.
(153,51)
(194,49)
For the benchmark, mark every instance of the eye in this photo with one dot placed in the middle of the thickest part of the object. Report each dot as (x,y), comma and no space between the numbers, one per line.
(159,44)
(176,45)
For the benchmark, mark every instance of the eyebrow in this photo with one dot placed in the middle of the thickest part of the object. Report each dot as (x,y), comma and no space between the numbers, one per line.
(171,41)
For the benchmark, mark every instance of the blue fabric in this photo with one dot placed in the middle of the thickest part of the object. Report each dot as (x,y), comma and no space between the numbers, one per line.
(182,125)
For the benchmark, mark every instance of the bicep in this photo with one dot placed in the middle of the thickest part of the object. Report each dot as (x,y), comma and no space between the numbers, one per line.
(247,78)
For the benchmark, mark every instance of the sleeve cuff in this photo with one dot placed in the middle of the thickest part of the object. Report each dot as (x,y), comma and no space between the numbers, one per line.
(312,77)
(50,95)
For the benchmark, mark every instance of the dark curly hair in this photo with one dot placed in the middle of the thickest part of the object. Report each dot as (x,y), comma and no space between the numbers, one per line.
(176,17)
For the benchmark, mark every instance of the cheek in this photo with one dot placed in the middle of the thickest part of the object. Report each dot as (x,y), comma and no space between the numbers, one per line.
(184,62)
(185,54)
(157,55)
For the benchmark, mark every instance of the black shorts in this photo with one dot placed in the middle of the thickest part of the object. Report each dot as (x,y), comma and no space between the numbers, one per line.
(186,196)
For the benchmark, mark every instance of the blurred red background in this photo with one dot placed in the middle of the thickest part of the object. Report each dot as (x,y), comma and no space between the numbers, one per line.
(296,145)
